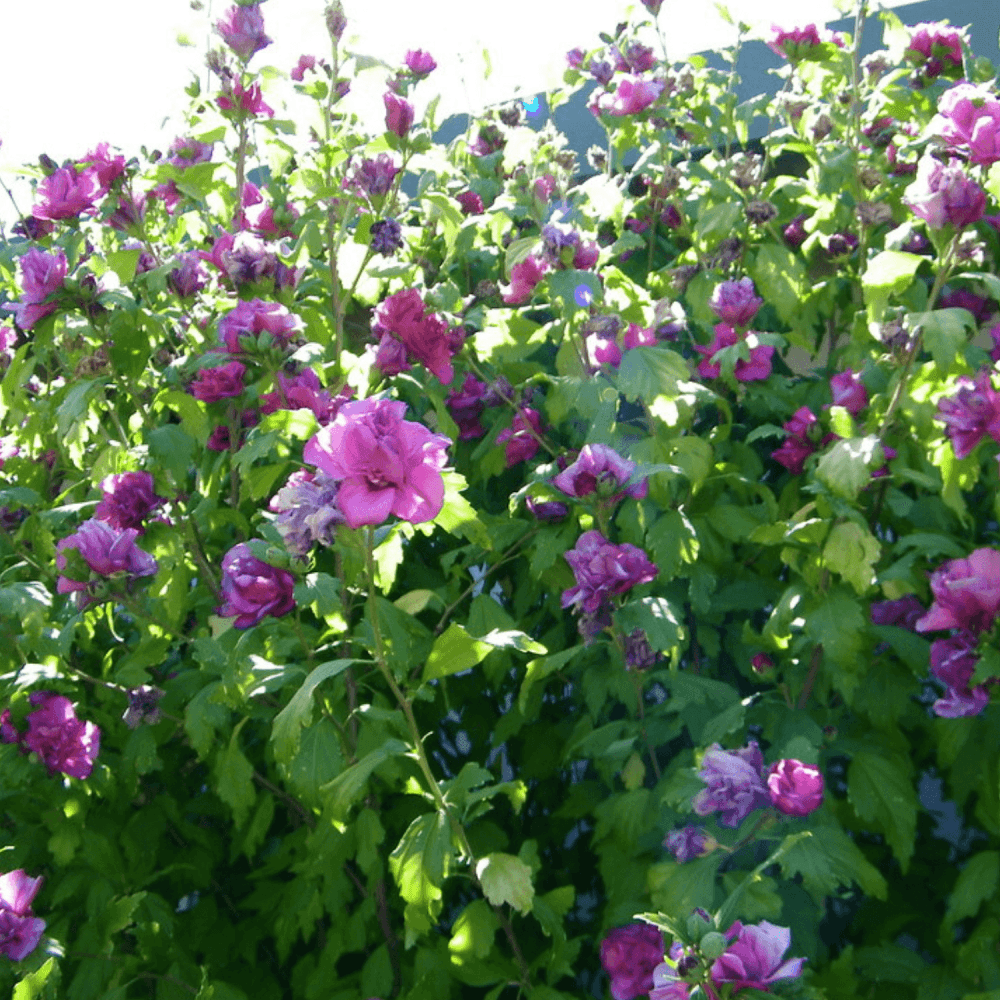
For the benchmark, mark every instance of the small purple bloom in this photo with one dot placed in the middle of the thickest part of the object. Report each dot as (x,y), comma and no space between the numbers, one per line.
(107,551)
(184,152)
(127,500)
(734,784)
(63,742)
(953,662)
(903,613)
(221,382)
(189,277)
(242,29)
(603,570)
(735,302)
(796,789)
(250,319)
(253,589)
(466,406)
(972,414)
(849,391)
(20,929)
(943,194)
(471,203)
(143,706)
(520,444)
(307,510)
(600,469)
(795,232)
(398,114)
(386,237)
(687,843)
(373,177)
(966,594)
(546,510)
(629,955)
(420,63)
(754,959)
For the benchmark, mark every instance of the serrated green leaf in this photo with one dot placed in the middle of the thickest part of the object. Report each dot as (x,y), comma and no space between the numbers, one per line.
(852,552)
(234,777)
(828,859)
(341,793)
(880,789)
(506,879)
(975,885)
(298,712)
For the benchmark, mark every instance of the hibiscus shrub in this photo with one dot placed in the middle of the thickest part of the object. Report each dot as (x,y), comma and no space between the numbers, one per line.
(553,581)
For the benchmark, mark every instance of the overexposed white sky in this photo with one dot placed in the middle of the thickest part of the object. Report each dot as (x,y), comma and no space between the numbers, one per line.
(75,74)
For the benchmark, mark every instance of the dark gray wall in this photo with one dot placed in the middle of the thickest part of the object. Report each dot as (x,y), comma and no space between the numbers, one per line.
(580,127)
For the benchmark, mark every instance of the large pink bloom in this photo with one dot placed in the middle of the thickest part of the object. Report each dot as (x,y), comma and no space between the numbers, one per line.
(65,193)
(20,930)
(966,594)
(633,94)
(249,319)
(603,570)
(629,955)
(754,370)
(253,589)
(107,551)
(523,277)
(754,959)
(60,739)
(796,789)
(600,469)
(424,335)
(242,29)
(385,464)
(969,120)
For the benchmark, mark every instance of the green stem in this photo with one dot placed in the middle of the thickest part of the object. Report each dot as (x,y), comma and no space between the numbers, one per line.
(942,276)
(458,831)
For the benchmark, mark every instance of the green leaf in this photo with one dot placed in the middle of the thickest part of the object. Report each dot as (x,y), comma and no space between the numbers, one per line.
(889,273)
(32,986)
(780,278)
(123,263)
(828,858)
(945,332)
(473,931)
(987,667)
(648,372)
(455,650)
(852,552)
(718,221)
(298,712)
(458,516)
(419,864)
(234,778)
(341,793)
(173,450)
(575,289)
(506,879)
(975,885)
(880,788)
(678,889)
(846,468)
(657,618)
(889,963)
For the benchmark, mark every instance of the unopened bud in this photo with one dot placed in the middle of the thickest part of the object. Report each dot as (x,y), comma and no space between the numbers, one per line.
(336,22)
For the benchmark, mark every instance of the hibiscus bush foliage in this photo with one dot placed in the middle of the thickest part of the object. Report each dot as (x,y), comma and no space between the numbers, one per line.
(465,571)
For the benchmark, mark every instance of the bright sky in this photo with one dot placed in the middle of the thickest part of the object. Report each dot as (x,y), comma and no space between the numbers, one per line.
(103,73)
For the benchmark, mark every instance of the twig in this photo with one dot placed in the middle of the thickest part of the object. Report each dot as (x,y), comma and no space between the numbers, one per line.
(817,656)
